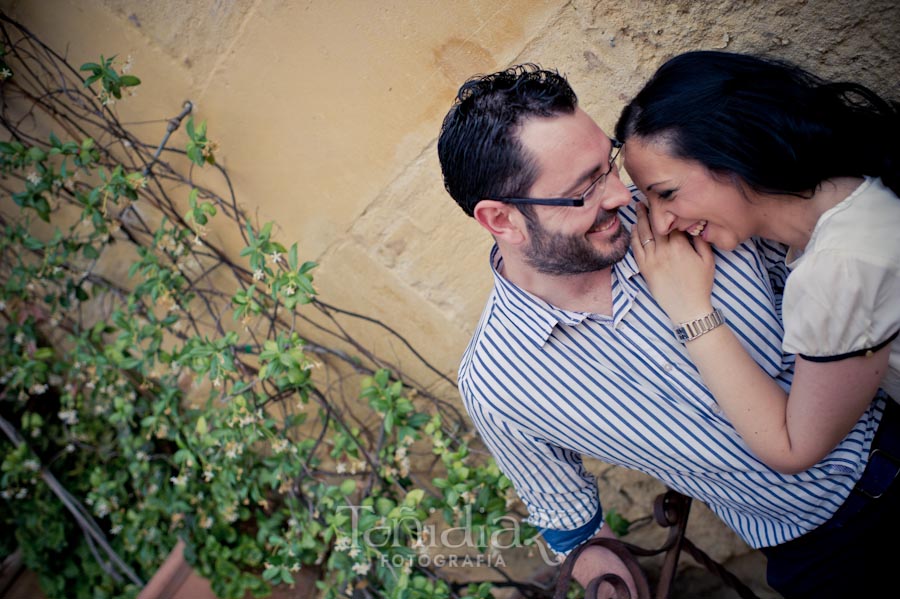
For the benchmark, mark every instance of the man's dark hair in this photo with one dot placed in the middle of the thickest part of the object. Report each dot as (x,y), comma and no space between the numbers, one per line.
(479,148)
(779,128)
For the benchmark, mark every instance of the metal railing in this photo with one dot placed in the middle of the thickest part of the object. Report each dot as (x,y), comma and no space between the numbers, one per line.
(670,510)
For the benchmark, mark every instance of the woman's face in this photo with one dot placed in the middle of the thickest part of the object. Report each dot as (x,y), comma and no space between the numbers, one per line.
(684,195)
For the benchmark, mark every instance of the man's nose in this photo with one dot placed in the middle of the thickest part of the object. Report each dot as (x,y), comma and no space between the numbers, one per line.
(616,194)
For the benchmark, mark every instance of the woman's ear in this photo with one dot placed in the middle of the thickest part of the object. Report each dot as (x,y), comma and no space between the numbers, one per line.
(502,220)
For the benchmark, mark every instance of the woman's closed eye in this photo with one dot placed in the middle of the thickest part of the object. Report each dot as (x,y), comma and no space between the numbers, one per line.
(666,194)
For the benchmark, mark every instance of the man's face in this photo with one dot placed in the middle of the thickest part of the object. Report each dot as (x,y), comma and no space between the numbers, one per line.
(571,151)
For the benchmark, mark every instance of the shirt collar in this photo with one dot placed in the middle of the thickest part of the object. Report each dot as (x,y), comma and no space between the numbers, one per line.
(537,318)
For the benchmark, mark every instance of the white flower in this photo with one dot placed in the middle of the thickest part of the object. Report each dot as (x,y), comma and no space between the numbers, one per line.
(341,468)
(353,552)
(70,448)
(179,481)
(275,258)
(129,62)
(22,494)
(361,569)
(38,389)
(259,275)
(2,305)
(19,339)
(342,544)
(33,177)
(5,74)
(290,290)
(70,417)
(115,529)
(32,465)
(208,475)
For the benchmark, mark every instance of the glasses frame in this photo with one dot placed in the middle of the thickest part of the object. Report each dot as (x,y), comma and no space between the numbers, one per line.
(572,202)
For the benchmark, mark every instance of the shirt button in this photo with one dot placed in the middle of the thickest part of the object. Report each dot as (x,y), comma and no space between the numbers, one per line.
(716,409)
(667,367)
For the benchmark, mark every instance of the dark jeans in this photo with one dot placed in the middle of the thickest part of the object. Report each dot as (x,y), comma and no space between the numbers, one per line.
(855,554)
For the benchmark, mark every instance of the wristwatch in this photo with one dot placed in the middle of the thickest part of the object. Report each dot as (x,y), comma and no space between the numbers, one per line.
(688,331)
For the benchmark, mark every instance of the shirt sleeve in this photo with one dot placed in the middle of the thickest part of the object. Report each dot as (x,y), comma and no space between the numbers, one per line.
(560,495)
(838,306)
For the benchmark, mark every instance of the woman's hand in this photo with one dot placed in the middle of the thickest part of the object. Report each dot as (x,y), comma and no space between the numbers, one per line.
(679,274)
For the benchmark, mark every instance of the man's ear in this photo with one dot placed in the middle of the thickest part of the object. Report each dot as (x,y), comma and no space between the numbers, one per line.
(502,220)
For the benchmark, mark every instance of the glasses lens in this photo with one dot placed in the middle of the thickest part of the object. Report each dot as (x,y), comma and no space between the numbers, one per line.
(598,186)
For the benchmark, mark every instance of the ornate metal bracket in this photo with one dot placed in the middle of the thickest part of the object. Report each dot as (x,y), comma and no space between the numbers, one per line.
(670,510)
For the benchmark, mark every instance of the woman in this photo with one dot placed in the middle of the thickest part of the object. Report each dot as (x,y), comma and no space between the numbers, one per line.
(728,147)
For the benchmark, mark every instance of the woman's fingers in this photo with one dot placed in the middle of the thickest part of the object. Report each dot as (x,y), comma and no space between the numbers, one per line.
(704,249)
(642,233)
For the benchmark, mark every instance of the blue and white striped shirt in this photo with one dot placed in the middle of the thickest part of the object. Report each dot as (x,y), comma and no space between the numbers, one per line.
(545,386)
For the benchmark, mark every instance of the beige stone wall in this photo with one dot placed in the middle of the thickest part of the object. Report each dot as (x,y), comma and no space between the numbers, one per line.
(326,113)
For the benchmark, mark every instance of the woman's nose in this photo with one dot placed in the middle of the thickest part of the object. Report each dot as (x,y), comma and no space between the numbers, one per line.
(662,220)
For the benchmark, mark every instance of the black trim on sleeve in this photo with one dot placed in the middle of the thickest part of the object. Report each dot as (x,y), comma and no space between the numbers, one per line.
(853,354)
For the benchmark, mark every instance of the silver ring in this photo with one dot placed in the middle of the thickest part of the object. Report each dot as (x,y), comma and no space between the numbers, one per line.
(646,241)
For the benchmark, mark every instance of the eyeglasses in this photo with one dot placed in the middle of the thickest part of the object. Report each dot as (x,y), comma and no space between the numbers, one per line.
(598,185)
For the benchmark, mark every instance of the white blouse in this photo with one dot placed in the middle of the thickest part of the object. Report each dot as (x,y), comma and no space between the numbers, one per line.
(842,297)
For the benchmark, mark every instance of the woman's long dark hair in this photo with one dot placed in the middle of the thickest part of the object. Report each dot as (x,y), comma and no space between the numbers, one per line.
(776,126)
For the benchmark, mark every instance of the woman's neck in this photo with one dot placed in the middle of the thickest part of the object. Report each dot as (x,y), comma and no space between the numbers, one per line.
(792,220)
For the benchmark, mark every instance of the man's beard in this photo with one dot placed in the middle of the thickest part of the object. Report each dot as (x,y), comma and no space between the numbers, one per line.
(559,254)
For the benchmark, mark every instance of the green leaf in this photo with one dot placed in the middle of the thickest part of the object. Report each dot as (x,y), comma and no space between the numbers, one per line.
(414,497)
(194,153)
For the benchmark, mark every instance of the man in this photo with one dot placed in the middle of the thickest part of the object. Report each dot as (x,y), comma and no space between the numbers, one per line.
(573,357)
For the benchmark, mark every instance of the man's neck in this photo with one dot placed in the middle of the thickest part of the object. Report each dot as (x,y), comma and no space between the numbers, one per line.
(586,292)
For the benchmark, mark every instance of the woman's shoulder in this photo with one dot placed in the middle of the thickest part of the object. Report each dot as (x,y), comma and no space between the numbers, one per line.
(866,221)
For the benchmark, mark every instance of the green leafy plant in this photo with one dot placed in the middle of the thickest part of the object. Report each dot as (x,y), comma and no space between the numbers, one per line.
(171,404)
(111,82)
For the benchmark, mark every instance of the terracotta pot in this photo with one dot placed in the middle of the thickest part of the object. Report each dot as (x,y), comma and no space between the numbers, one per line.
(175,579)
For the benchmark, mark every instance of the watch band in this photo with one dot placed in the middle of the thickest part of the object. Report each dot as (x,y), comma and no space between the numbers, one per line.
(688,331)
